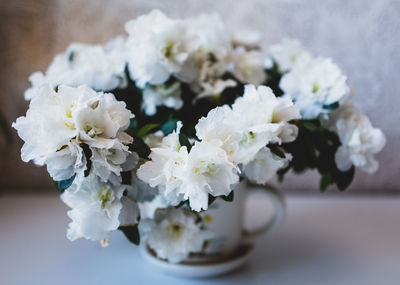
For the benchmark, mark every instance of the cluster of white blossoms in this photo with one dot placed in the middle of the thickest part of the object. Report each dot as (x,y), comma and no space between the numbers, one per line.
(65,128)
(99,67)
(229,137)
(60,123)
(360,141)
(174,233)
(319,88)
(196,51)
(315,84)
(182,175)
(98,208)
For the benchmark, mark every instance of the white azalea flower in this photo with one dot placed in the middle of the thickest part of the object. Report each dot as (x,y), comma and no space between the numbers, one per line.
(180,175)
(248,66)
(262,118)
(108,163)
(210,82)
(256,119)
(162,95)
(206,71)
(287,53)
(101,68)
(265,165)
(97,209)
(167,161)
(207,35)
(57,123)
(156,47)
(314,85)
(174,234)
(360,140)
(209,48)
(63,163)
(207,171)
(218,128)
(194,50)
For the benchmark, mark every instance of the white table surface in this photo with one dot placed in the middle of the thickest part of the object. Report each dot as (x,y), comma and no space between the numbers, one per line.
(324,240)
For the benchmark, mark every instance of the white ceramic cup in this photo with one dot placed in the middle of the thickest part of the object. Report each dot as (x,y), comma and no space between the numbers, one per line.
(226,220)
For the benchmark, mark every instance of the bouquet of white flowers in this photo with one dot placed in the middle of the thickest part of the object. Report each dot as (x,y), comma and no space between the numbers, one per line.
(179,112)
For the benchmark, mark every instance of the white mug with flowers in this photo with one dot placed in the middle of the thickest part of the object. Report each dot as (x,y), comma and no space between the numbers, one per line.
(216,234)
(177,112)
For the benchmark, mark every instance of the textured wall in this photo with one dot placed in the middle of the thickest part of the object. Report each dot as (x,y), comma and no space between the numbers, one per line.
(362,36)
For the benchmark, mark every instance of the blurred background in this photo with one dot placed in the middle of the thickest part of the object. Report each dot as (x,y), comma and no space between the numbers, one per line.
(362,36)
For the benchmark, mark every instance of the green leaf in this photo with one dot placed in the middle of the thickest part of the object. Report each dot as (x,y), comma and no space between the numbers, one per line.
(133,127)
(276,150)
(126,177)
(228,198)
(143,131)
(71,56)
(131,232)
(344,179)
(326,180)
(181,204)
(169,126)
(184,141)
(88,153)
(211,199)
(140,147)
(332,106)
(64,184)
(310,125)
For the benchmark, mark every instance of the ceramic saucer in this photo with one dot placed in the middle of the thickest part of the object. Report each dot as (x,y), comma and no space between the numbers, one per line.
(198,268)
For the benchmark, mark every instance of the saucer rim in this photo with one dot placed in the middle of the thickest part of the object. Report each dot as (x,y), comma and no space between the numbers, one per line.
(202,269)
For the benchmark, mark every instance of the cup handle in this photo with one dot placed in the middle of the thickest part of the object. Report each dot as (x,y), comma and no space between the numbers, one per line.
(279,212)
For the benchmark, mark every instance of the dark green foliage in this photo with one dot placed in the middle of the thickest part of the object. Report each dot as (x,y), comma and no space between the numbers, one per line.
(273,78)
(184,141)
(182,204)
(276,150)
(326,180)
(211,199)
(343,179)
(140,147)
(126,177)
(145,130)
(315,148)
(228,198)
(131,232)
(169,126)
(71,56)
(332,106)
(133,127)
(88,153)
(63,184)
